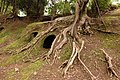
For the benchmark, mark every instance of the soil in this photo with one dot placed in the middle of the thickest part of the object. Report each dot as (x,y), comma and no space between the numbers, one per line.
(91,55)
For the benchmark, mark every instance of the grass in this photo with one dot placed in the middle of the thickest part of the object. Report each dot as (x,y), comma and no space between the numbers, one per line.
(110,41)
(3,40)
(12,59)
(10,74)
(25,72)
(28,71)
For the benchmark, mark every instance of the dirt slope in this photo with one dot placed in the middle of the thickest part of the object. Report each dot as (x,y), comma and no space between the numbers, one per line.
(22,67)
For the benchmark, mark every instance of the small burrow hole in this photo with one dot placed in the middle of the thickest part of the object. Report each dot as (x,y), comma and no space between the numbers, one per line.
(48,41)
(1,28)
(34,34)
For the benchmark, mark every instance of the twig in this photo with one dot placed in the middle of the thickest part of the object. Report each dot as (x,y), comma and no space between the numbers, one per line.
(109,62)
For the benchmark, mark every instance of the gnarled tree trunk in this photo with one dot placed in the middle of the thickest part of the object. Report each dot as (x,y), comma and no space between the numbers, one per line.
(81,20)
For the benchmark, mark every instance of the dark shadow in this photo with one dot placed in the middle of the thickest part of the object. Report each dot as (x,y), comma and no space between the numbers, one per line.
(34,34)
(48,41)
(1,28)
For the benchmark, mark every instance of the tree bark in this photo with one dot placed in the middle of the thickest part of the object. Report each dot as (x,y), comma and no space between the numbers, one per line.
(15,8)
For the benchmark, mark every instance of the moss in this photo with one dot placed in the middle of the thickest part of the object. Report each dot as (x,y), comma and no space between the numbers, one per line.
(35,23)
(12,59)
(33,27)
(66,52)
(27,71)
(10,74)
(2,40)
(110,41)
(5,33)
(66,55)
(98,53)
(16,44)
(6,36)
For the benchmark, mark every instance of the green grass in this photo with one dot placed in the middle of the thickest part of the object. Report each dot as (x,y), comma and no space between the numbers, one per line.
(110,41)
(12,59)
(25,72)
(29,70)
(3,40)
(10,74)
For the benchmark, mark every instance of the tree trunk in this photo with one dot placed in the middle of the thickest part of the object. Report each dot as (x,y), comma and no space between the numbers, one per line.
(7,5)
(3,6)
(28,7)
(64,35)
(15,8)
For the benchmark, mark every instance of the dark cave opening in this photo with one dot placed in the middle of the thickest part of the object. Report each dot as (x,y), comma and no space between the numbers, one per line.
(48,41)
(1,28)
(34,34)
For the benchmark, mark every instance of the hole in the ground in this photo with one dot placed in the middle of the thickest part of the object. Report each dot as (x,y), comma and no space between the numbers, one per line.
(34,34)
(48,41)
(1,28)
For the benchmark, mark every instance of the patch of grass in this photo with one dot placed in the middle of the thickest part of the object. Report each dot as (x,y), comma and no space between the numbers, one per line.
(31,27)
(66,54)
(110,41)
(2,40)
(12,59)
(14,45)
(25,72)
(10,74)
(35,23)
(98,53)
(5,33)
(28,71)
(9,35)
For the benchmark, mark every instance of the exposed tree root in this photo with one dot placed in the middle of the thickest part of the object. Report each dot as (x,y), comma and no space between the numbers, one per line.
(72,58)
(81,20)
(107,32)
(110,65)
(93,77)
(76,52)
(34,41)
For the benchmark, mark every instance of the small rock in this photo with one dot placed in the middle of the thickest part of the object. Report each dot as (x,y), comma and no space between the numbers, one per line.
(35,73)
(16,70)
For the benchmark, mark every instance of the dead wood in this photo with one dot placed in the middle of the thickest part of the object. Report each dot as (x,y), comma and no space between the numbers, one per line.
(110,65)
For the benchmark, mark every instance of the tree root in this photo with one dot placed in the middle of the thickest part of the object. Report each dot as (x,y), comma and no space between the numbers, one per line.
(93,77)
(110,65)
(72,58)
(106,32)
(35,40)
(76,52)
(81,20)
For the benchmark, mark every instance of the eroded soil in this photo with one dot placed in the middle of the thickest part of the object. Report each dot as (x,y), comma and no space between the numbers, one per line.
(13,68)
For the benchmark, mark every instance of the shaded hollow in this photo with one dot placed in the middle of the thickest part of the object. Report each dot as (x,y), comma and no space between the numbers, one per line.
(48,41)
(34,34)
(1,28)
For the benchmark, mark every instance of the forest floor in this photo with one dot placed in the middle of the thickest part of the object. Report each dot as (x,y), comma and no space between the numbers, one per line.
(13,68)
